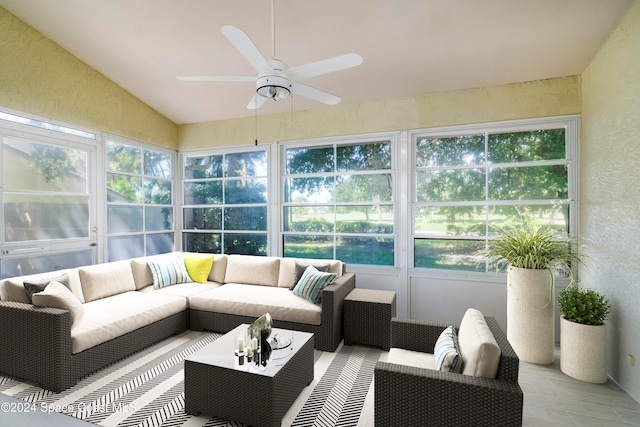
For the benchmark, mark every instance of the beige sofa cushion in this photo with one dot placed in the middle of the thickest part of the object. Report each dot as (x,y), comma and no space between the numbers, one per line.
(416,359)
(141,273)
(252,270)
(103,280)
(254,301)
(288,268)
(108,318)
(183,289)
(12,289)
(57,295)
(479,349)
(219,268)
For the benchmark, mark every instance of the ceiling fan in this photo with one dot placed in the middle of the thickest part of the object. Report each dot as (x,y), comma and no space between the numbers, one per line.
(274,79)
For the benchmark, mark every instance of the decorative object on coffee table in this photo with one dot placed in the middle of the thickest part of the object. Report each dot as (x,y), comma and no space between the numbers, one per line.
(367,317)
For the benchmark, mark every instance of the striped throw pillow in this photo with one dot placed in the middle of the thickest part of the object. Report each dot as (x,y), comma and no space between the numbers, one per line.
(447,352)
(168,272)
(312,283)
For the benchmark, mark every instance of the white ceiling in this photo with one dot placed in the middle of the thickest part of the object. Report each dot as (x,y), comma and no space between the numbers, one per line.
(410,47)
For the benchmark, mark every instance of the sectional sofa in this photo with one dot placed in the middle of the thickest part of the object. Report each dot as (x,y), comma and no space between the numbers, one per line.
(114,309)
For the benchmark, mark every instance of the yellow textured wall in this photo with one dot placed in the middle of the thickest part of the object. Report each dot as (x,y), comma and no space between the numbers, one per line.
(610,189)
(39,77)
(541,98)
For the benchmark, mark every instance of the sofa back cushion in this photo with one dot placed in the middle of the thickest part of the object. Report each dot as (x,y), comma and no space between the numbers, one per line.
(103,280)
(141,273)
(12,289)
(218,268)
(252,270)
(287,274)
(479,349)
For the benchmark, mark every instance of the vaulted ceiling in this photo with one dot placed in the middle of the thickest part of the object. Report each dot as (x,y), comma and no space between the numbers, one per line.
(410,47)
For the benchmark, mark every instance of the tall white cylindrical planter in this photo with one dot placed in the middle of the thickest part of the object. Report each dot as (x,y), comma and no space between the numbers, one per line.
(583,351)
(531,314)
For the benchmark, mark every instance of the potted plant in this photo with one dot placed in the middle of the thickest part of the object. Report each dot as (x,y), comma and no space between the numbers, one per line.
(583,333)
(532,255)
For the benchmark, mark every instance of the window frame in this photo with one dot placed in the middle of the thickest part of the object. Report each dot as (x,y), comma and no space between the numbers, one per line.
(571,124)
(394,138)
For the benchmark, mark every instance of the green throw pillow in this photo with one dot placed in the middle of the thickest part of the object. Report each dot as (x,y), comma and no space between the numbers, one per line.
(312,283)
(198,266)
(446,352)
(168,272)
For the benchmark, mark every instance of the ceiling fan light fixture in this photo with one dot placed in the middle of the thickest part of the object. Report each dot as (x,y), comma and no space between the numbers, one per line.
(273,87)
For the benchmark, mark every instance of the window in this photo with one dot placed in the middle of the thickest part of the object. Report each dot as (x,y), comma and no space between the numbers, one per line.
(46,204)
(338,202)
(139,201)
(225,203)
(468,184)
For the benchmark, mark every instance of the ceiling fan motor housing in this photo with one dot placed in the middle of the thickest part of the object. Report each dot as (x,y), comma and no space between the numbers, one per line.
(273,86)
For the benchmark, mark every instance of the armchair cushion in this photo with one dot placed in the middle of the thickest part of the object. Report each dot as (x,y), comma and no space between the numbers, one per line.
(446,352)
(479,349)
(417,359)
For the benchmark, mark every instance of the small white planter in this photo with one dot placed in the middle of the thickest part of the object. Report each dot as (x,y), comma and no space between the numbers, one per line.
(531,314)
(583,351)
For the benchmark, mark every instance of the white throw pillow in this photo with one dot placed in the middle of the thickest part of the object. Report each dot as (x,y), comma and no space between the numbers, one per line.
(57,295)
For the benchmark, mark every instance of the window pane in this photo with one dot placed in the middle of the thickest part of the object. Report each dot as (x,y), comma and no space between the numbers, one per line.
(448,254)
(158,219)
(365,250)
(245,244)
(33,217)
(529,183)
(123,158)
(308,190)
(42,263)
(253,163)
(124,188)
(159,243)
(249,218)
(364,188)
(450,185)
(125,247)
(157,191)
(201,242)
(203,167)
(124,219)
(452,151)
(157,164)
(28,165)
(253,190)
(509,216)
(534,145)
(451,220)
(203,193)
(369,219)
(309,219)
(308,246)
(309,160)
(203,218)
(369,156)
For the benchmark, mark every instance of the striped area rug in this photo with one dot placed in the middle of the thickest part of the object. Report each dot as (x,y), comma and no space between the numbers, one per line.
(147,389)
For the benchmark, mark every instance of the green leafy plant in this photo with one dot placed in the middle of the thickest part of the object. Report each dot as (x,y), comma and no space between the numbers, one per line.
(583,305)
(536,248)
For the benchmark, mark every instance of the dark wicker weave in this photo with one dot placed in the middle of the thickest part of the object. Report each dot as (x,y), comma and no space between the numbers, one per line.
(246,396)
(36,345)
(327,335)
(367,317)
(411,396)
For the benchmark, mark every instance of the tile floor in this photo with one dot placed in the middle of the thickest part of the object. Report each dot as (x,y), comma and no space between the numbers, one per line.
(552,398)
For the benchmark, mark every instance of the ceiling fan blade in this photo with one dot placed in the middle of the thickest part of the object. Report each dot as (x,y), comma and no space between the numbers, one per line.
(246,47)
(315,94)
(325,66)
(217,78)
(256,102)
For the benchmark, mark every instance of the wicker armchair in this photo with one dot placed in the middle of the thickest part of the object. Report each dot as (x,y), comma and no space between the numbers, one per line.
(411,396)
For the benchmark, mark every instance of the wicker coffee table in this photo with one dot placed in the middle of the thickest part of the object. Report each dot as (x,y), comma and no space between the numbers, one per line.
(216,384)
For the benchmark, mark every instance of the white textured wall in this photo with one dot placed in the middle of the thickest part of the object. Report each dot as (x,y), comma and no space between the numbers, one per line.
(610,192)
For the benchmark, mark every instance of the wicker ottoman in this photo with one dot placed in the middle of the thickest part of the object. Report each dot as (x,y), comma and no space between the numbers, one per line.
(367,317)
